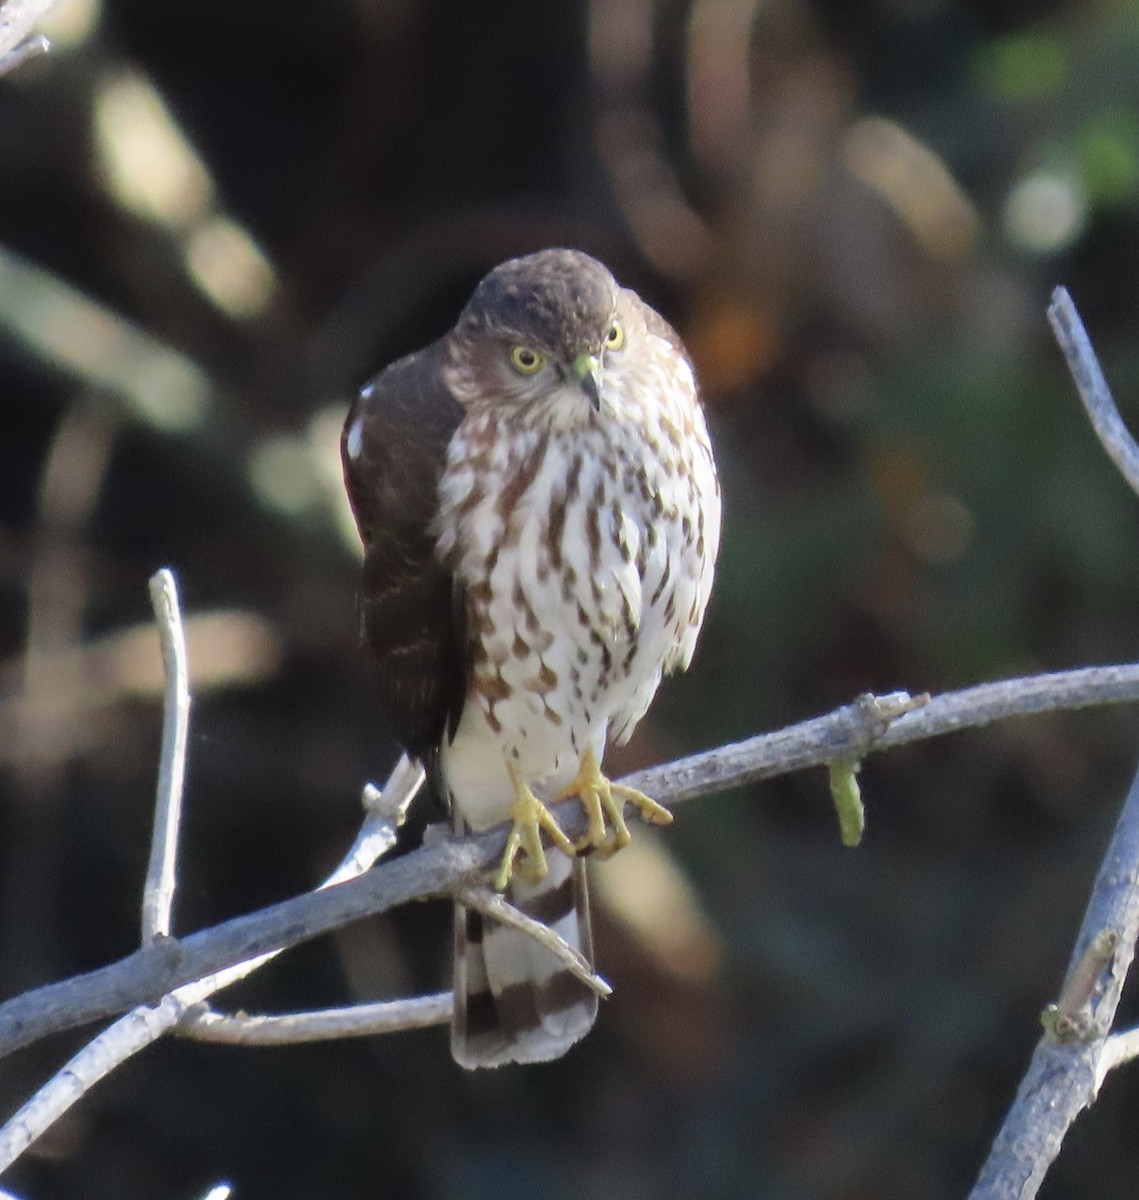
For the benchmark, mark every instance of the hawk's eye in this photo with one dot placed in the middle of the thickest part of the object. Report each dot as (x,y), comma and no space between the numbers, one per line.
(615,338)
(526,361)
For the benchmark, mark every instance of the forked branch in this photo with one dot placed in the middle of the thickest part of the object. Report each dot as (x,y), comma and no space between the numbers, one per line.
(437,870)
(163,985)
(1076,1052)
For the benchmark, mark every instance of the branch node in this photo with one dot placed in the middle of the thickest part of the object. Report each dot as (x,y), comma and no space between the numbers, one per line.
(1071,1018)
(169,951)
(871,716)
(880,712)
(392,800)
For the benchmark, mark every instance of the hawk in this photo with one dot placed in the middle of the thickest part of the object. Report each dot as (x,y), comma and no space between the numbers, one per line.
(540,514)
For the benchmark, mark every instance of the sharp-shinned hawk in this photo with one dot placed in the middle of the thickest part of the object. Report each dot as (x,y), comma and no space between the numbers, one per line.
(540,515)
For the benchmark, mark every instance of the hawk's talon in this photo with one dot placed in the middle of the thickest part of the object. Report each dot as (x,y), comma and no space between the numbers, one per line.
(604,803)
(601,798)
(530,816)
(650,810)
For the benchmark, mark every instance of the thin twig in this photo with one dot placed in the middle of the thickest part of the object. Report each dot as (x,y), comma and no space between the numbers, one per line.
(1068,1065)
(1082,983)
(18,39)
(492,904)
(220,1191)
(158,891)
(1120,1048)
(145,1023)
(36,45)
(1092,385)
(151,972)
(358,1020)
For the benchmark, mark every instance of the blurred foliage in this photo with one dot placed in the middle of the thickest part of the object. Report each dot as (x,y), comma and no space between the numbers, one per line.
(217,219)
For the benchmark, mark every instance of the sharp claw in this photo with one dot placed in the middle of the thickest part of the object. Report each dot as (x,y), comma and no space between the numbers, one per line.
(557,834)
(602,799)
(603,802)
(524,856)
(649,809)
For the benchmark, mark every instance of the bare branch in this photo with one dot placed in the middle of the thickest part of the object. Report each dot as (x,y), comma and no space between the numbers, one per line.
(136,1030)
(1071,1060)
(158,892)
(386,810)
(146,1023)
(18,39)
(358,1020)
(167,980)
(128,1035)
(491,904)
(36,45)
(857,729)
(1120,1048)
(153,971)
(1092,386)
(1064,1074)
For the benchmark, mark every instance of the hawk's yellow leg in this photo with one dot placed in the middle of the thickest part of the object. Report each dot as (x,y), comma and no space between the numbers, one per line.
(530,817)
(602,798)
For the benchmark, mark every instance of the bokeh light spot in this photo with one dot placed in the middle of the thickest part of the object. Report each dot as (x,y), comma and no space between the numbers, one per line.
(146,163)
(1045,212)
(283,475)
(229,267)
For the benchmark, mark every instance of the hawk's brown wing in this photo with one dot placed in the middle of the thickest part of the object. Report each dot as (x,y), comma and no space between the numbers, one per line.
(394,448)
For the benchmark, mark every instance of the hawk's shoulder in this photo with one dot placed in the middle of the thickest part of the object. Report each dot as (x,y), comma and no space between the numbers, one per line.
(395,440)
(659,327)
(394,449)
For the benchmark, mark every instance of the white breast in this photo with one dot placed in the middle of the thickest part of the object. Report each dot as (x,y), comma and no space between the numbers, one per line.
(586,551)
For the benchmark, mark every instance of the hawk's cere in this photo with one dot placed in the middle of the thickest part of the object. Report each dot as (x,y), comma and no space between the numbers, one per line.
(540,515)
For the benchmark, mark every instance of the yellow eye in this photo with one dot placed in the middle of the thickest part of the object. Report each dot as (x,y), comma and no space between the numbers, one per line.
(615,338)
(526,361)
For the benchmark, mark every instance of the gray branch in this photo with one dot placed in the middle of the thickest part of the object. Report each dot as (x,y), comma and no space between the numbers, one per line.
(18,38)
(851,732)
(332,1024)
(1075,1054)
(163,983)
(1065,1073)
(1092,386)
(158,892)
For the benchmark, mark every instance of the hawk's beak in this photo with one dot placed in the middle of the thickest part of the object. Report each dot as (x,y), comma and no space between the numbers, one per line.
(587,368)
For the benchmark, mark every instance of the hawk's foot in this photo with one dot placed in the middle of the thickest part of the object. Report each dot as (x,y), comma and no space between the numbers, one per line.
(602,798)
(530,817)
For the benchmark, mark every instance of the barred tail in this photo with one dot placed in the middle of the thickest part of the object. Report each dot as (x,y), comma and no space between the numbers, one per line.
(514,1001)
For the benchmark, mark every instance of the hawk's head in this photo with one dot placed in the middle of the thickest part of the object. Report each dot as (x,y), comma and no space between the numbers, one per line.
(538,328)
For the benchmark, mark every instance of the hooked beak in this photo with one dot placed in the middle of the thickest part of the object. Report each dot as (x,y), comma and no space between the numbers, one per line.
(587,368)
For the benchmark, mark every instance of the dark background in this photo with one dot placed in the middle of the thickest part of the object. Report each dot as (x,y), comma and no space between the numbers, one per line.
(854,213)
